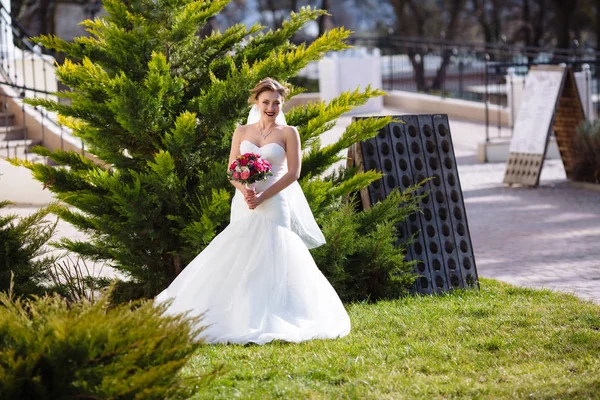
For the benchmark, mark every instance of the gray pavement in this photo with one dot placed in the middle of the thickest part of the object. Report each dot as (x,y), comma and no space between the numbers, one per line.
(545,237)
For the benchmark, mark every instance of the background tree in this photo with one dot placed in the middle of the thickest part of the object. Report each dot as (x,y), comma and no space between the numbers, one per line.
(274,12)
(455,10)
(528,22)
(35,15)
(533,29)
(325,20)
(414,18)
(596,9)
(157,105)
(489,17)
(564,10)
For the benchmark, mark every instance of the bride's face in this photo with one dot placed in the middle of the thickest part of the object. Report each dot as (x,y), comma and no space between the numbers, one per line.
(269,104)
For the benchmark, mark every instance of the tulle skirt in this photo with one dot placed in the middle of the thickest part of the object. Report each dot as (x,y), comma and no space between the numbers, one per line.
(257,282)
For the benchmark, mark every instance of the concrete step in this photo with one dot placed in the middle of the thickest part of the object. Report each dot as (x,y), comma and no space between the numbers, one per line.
(20,150)
(19,143)
(12,132)
(7,119)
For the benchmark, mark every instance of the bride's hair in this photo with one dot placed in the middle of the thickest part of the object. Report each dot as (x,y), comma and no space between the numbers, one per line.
(270,85)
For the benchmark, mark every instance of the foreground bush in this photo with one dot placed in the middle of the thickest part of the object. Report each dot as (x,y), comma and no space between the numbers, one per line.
(586,152)
(52,350)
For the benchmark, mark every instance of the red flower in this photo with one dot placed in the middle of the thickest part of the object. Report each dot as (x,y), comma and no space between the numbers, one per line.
(254,168)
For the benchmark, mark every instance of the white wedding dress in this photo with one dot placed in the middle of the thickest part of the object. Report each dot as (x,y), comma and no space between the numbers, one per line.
(256,281)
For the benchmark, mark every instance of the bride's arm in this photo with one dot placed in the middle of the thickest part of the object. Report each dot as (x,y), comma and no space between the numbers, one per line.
(294,161)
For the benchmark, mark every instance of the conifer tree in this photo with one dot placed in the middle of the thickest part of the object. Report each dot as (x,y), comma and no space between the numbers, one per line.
(157,105)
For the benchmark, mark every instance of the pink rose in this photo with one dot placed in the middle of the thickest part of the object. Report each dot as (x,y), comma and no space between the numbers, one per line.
(245,174)
(236,175)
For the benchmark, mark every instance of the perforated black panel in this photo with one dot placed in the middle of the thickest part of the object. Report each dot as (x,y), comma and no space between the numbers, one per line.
(411,152)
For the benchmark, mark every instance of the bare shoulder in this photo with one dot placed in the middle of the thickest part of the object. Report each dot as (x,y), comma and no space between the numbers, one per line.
(289,128)
(240,132)
(241,129)
(290,132)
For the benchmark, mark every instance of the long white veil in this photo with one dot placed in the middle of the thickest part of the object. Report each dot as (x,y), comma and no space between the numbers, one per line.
(303,222)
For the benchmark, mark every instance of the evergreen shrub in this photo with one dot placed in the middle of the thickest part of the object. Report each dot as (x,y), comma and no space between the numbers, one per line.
(586,152)
(363,258)
(51,349)
(26,268)
(23,260)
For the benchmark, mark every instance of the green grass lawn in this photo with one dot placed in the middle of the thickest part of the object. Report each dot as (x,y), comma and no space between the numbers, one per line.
(499,342)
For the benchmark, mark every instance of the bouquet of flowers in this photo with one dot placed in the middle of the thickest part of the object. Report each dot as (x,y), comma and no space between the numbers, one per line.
(249,168)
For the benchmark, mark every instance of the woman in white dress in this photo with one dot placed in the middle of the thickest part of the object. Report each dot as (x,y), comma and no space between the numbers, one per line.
(256,281)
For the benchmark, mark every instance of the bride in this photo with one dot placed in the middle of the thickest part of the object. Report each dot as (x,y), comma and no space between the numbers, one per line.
(256,281)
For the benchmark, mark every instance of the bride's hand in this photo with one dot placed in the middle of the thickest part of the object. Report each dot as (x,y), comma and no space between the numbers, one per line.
(249,195)
(254,201)
(248,192)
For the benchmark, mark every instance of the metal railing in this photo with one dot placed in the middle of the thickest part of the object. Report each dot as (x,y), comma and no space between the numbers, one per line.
(454,69)
(476,71)
(24,72)
(465,70)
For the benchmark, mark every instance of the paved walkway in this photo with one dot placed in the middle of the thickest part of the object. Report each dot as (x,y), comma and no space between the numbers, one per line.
(543,237)
(547,236)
